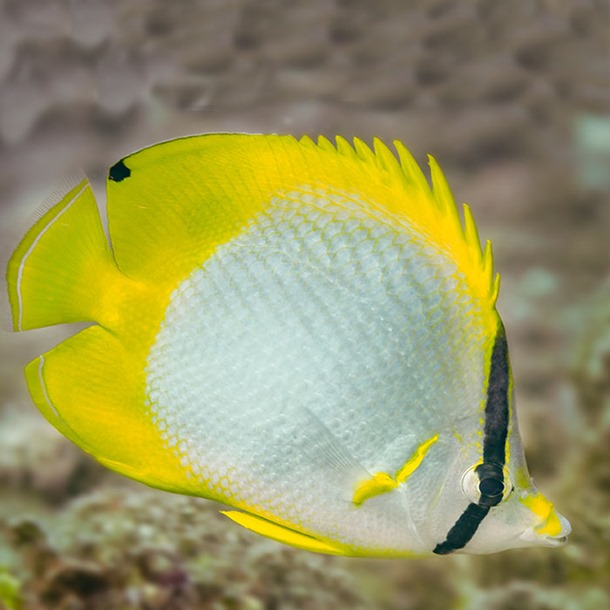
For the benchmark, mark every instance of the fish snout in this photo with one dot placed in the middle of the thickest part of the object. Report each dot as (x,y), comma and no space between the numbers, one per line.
(553,531)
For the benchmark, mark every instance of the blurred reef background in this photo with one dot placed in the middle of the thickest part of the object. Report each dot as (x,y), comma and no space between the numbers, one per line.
(513,99)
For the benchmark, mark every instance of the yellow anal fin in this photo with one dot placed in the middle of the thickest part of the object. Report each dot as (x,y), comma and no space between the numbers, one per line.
(88,387)
(382,482)
(283,534)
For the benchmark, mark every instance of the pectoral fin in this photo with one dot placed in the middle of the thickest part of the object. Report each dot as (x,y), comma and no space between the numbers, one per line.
(381,482)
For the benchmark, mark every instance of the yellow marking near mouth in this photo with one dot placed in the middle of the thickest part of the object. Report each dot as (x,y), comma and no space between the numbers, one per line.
(382,482)
(550,524)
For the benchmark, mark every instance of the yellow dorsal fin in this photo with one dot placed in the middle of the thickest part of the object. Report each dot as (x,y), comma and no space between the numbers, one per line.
(325,144)
(344,148)
(196,193)
(434,209)
(411,171)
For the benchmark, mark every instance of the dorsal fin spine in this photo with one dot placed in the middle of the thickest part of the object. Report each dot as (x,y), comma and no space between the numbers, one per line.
(495,289)
(307,142)
(364,152)
(435,211)
(488,270)
(442,193)
(412,170)
(345,148)
(488,265)
(325,144)
(386,158)
(471,234)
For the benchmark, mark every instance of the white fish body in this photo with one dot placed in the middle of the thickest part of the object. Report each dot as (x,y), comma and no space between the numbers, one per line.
(303,332)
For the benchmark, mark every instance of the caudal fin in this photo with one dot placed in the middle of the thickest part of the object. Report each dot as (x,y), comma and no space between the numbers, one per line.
(56,273)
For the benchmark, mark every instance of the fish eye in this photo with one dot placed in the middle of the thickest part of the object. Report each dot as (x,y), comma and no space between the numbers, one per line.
(470,485)
(486,484)
(491,489)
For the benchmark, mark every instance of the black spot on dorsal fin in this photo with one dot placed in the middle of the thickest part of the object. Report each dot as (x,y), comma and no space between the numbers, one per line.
(119,171)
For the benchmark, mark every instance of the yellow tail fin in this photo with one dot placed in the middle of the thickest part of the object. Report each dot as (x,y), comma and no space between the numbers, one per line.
(56,274)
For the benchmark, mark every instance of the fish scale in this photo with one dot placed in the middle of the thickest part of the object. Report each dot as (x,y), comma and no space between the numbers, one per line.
(300,297)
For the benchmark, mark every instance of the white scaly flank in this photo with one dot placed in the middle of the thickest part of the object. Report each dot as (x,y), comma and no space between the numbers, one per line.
(324,343)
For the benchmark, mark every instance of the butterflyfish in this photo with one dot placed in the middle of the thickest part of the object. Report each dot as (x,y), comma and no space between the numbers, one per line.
(304,331)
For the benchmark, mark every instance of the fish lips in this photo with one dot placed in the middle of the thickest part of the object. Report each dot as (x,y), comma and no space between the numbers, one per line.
(533,536)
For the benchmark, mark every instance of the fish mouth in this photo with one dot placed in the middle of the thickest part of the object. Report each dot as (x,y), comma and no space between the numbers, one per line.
(555,541)
(533,538)
(533,535)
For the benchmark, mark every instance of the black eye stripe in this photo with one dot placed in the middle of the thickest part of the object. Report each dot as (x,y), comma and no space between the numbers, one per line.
(490,472)
(496,407)
(463,530)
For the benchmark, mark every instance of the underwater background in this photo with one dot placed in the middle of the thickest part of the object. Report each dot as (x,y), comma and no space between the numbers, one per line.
(512,98)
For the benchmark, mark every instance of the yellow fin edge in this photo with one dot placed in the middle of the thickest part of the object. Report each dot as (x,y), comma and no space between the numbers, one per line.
(42,220)
(382,482)
(281,533)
